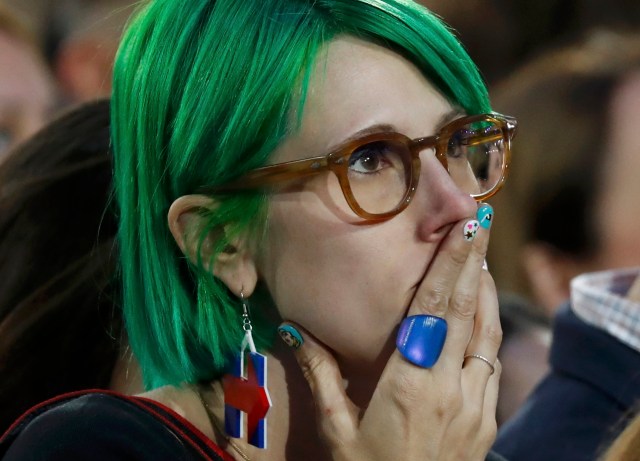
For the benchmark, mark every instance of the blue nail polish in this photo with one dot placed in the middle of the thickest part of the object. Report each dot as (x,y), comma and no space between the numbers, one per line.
(421,338)
(290,336)
(485,215)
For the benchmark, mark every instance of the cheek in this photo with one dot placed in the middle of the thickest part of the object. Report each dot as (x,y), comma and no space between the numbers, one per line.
(348,285)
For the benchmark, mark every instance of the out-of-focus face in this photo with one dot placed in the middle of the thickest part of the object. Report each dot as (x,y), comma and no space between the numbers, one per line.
(26,92)
(350,283)
(619,205)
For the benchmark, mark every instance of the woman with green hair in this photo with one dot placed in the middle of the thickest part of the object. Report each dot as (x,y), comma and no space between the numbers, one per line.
(307,168)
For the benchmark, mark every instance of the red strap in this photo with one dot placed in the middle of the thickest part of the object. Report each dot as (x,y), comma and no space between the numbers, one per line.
(192,435)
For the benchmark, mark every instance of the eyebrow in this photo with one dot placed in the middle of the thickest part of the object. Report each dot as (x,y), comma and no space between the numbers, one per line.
(450,116)
(373,129)
(388,128)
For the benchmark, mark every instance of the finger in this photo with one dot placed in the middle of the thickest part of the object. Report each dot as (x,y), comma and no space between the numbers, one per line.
(434,292)
(489,425)
(337,416)
(485,341)
(464,299)
(420,338)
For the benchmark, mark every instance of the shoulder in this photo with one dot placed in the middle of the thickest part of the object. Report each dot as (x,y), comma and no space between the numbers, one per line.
(96,425)
(552,422)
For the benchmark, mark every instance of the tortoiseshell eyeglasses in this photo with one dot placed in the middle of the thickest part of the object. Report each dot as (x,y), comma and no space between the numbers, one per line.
(378,173)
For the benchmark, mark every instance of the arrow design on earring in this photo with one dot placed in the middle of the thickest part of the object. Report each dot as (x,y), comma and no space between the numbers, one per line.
(247,395)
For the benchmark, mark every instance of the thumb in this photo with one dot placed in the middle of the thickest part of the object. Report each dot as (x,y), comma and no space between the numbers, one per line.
(336,414)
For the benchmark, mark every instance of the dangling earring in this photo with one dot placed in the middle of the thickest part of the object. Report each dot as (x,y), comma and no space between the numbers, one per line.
(247,393)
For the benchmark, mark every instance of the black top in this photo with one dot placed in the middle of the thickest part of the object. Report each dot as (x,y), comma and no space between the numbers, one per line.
(577,409)
(105,426)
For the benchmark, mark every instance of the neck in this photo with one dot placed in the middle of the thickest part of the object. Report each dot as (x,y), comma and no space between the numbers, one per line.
(291,421)
(291,428)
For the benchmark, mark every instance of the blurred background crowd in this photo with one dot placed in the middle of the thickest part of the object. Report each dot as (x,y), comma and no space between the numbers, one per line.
(564,68)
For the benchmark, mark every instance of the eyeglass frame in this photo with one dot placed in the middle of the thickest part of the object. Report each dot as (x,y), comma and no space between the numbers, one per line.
(336,162)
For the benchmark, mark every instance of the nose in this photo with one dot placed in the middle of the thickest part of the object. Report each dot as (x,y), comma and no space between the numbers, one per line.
(439,202)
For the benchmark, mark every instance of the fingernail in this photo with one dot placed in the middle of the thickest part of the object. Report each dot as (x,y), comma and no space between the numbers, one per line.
(290,336)
(470,230)
(485,215)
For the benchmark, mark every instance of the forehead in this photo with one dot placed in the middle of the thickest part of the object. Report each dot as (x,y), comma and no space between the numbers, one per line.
(357,84)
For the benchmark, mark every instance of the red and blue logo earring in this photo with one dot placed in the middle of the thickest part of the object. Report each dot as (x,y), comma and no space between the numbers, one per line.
(245,389)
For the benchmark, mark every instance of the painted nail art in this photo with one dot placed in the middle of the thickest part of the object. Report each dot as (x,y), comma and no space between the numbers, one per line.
(470,230)
(485,215)
(290,336)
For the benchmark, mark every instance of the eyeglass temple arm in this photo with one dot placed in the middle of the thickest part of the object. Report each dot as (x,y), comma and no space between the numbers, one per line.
(483,139)
(270,175)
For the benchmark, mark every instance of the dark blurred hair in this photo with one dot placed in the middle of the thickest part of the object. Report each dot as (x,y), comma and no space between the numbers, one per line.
(59,325)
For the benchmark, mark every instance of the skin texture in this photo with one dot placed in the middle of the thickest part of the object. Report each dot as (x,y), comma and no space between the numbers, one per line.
(346,285)
(364,275)
(26,92)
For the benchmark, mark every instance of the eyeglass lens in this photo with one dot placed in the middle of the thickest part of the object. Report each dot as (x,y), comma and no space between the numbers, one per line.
(380,172)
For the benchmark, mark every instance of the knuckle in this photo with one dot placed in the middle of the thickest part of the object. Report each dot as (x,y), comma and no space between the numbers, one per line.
(449,404)
(489,431)
(458,256)
(463,305)
(407,392)
(312,367)
(474,416)
(432,301)
(493,333)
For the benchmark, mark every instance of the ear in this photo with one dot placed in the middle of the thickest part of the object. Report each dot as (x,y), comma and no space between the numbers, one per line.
(235,266)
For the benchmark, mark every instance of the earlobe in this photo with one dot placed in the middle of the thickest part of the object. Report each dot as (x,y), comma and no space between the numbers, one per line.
(235,266)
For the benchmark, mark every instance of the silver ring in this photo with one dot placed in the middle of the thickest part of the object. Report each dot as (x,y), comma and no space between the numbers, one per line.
(484,359)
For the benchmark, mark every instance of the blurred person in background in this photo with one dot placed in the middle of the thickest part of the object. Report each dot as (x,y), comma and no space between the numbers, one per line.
(60,322)
(79,39)
(27,91)
(581,112)
(515,37)
(83,61)
(567,210)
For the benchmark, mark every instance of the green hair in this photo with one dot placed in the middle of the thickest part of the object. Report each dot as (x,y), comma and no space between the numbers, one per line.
(202,93)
